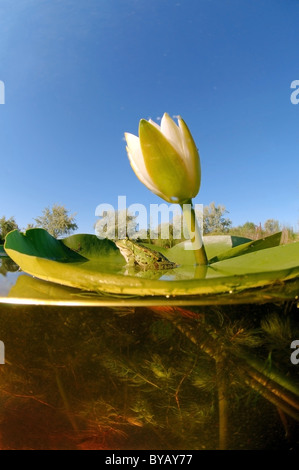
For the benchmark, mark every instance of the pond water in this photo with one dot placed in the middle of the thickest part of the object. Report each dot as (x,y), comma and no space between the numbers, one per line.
(111,373)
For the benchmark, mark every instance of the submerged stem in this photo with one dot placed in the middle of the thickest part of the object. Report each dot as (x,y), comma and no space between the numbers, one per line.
(223,403)
(194,233)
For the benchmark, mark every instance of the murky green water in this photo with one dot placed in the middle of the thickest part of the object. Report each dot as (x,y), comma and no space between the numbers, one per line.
(124,377)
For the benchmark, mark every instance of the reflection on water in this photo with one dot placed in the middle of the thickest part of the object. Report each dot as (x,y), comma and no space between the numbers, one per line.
(7,265)
(149,377)
(8,274)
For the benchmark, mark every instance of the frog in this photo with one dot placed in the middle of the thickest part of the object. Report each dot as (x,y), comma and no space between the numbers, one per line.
(138,255)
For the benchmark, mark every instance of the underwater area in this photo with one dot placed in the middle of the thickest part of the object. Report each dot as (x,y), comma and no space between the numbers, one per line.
(139,374)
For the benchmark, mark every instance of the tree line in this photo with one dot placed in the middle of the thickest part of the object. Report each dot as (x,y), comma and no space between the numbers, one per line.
(214,222)
(55,220)
(58,222)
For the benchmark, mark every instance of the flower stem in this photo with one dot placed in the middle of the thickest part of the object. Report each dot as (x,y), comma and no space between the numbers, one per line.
(194,233)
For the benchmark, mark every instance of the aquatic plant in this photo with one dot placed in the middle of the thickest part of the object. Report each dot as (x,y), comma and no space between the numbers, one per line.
(166,160)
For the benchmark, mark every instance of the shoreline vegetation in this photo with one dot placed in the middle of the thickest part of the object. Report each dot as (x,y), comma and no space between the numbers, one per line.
(58,222)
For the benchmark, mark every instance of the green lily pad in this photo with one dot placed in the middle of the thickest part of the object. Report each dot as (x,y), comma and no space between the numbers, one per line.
(35,291)
(97,266)
(91,247)
(249,247)
(39,243)
(220,247)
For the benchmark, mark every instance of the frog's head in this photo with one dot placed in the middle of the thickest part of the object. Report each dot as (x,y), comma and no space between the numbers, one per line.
(122,243)
(125,247)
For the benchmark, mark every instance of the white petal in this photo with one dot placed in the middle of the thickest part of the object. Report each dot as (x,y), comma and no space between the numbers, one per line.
(133,146)
(172,133)
(137,162)
(154,124)
(190,155)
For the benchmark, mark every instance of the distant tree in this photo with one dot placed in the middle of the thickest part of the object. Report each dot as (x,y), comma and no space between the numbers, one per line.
(29,226)
(6,225)
(271,226)
(248,230)
(117,224)
(211,220)
(214,220)
(249,227)
(288,235)
(56,221)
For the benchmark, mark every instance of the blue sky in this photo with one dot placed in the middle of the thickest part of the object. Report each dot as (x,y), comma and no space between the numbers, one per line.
(80,73)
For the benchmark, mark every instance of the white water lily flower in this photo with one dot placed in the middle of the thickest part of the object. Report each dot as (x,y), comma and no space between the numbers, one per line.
(165,159)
